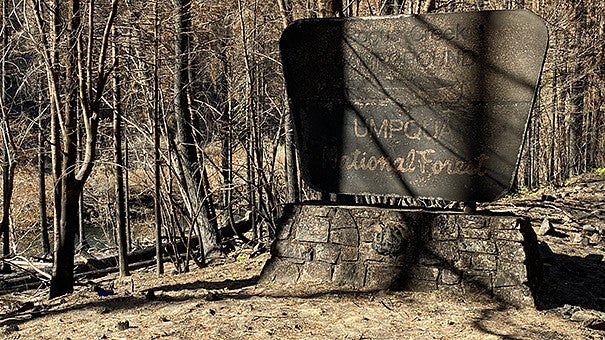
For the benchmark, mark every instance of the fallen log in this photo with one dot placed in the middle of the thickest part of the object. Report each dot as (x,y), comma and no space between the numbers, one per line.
(35,274)
(24,264)
(29,276)
(21,287)
(23,279)
(238,228)
(106,271)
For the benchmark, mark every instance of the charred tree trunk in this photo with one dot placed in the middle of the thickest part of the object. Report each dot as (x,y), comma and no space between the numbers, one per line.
(292,175)
(79,89)
(330,8)
(42,186)
(119,169)
(156,144)
(250,119)
(192,184)
(577,96)
(8,163)
(62,278)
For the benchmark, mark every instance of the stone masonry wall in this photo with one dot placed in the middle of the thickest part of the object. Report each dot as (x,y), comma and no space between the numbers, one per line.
(365,249)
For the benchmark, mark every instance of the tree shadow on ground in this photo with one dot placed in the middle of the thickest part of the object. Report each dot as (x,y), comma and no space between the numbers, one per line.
(247,288)
(573,280)
(103,305)
(230,289)
(211,285)
(487,315)
(568,280)
(220,290)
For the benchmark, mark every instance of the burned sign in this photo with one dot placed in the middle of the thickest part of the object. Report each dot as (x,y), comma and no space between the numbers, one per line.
(431,105)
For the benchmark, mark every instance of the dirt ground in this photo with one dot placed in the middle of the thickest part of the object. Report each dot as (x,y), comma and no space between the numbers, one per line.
(226,301)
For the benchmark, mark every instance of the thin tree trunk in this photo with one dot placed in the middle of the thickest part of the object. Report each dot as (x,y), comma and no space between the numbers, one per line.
(82,242)
(127,193)
(249,111)
(226,118)
(8,177)
(192,184)
(285,12)
(292,175)
(593,112)
(156,145)
(227,142)
(55,129)
(42,185)
(227,159)
(8,163)
(599,135)
(119,167)
(51,58)
(577,95)
(63,267)
(554,113)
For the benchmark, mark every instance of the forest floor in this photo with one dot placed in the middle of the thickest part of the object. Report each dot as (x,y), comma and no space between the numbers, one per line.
(226,301)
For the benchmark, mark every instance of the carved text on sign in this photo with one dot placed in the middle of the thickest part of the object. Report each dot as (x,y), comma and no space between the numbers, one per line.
(422,162)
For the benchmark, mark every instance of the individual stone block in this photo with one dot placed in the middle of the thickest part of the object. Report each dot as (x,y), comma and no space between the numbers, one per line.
(478,279)
(484,262)
(507,279)
(315,271)
(508,235)
(423,273)
(448,250)
(347,237)
(513,268)
(313,229)
(392,240)
(428,259)
(284,229)
(280,271)
(464,262)
(478,246)
(295,251)
(367,253)
(323,211)
(379,276)
(517,295)
(327,252)
(342,219)
(417,285)
(444,228)
(449,277)
(479,234)
(368,230)
(348,254)
(508,222)
(349,274)
(510,251)
(475,222)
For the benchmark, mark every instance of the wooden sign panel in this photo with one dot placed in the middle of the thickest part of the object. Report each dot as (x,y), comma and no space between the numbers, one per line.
(432,105)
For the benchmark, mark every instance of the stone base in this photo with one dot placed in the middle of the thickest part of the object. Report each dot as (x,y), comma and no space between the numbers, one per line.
(368,249)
